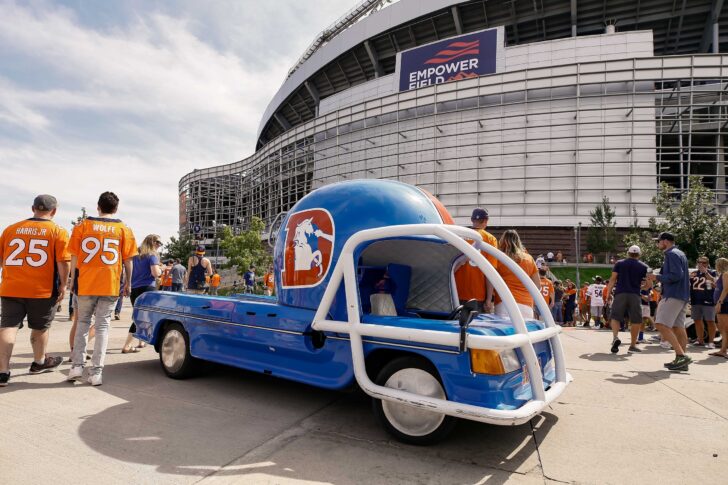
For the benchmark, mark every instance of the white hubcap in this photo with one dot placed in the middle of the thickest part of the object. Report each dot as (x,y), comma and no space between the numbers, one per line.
(407,419)
(173,350)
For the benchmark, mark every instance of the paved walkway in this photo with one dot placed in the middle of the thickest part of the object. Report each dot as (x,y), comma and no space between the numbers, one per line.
(623,420)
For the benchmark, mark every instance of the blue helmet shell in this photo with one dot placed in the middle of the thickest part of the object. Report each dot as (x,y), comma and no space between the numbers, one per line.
(315,230)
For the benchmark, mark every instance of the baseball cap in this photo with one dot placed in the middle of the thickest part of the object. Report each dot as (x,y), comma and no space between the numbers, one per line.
(634,250)
(479,214)
(666,236)
(45,203)
(200,249)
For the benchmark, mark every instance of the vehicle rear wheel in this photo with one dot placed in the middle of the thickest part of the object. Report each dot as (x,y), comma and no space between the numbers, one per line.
(406,423)
(174,353)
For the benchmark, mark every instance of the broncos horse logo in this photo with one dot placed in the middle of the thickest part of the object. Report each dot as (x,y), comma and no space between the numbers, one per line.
(308,248)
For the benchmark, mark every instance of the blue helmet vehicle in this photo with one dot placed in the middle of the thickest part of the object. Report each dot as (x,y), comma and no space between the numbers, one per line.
(366,295)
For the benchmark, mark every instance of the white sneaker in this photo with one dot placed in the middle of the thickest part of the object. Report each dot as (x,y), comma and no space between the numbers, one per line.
(710,345)
(665,345)
(95,379)
(75,373)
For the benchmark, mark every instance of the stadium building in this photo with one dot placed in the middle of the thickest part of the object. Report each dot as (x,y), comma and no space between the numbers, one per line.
(535,110)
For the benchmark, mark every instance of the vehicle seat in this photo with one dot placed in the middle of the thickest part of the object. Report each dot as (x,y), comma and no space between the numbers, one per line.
(396,301)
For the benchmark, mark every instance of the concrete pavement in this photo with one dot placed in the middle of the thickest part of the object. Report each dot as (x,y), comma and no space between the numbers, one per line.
(623,420)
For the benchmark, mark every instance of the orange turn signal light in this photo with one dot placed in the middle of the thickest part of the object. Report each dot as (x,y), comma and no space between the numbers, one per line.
(486,362)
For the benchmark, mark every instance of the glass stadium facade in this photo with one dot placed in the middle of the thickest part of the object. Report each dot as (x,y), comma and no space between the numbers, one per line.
(573,112)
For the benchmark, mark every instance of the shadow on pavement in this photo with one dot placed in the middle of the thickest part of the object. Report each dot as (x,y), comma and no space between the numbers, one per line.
(194,427)
(604,357)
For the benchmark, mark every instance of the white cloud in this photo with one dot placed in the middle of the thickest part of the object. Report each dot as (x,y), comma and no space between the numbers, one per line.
(133,106)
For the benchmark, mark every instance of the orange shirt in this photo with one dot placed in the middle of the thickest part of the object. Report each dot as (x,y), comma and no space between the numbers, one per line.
(582,296)
(520,293)
(166,278)
(656,296)
(29,251)
(547,289)
(101,245)
(469,280)
(269,280)
(215,280)
(568,292)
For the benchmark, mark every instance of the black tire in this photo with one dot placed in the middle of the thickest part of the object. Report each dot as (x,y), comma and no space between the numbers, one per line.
(402,364)
(188,366)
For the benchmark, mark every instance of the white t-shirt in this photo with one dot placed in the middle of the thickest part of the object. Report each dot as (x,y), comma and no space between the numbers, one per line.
(595,292)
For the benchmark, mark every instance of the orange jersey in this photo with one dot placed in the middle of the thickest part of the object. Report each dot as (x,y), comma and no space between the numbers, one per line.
(520,293)
(215,280)
(547,289)
(100,246)
(29,251)
(166,278)
(582,296)
(469,280)
(269,281)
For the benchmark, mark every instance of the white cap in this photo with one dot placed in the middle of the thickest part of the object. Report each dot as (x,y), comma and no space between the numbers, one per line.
(634,250)
(550,255)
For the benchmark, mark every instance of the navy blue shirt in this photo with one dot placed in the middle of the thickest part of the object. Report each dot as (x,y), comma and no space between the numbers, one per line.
(701,290)
(630,273)
(674,275)
(249,278)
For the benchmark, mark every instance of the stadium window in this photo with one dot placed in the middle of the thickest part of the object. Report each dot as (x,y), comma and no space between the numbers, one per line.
(331,133)
(425,110)
(538,94)
(372,121)
(447,106)
(388,117)
(357,125)
(468,103)
(490,100)
(406,114)
(514,97)
(345,128)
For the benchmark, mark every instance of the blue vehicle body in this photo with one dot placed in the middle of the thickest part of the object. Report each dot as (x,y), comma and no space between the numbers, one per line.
(277,335)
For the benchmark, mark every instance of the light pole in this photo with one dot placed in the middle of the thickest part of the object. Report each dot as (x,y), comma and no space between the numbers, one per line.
(577,241)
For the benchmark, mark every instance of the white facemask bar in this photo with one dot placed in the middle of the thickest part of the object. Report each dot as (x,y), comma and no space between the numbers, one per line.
(345,271)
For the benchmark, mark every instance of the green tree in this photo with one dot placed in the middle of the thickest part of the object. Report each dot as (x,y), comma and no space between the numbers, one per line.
(247,248)
(694,220)
(602,232)
(178,248)
(691,216)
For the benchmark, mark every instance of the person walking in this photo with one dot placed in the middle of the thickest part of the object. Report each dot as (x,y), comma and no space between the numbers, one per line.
(557,309)
(547,288)
(198,267)
(596,293)
(627,277)
(269,282)
(720,295)
(249,278)
(147,269)
(214,283)
(510,243)
(584,315)
(702,306)
(470,281)
(569,304)
(34,261)
(670,315)
(101,248)
(179,275)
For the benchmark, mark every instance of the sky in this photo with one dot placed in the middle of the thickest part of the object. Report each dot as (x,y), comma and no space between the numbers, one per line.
(129,96)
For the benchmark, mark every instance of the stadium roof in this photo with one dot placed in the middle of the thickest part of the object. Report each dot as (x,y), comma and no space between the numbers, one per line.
(363,44)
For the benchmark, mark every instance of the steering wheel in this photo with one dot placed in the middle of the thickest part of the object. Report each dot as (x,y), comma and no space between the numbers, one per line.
(454,314)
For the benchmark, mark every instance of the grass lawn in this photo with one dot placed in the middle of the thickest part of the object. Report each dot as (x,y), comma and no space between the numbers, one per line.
(585,274)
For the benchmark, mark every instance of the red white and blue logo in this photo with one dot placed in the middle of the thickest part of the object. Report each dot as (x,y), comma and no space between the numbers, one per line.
(463,57)
(308,249)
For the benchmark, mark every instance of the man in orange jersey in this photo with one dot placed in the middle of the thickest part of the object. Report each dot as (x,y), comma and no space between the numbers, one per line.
(547,288)
(471,283)
(101,247)
(214,283)
(584,315)
(34,260)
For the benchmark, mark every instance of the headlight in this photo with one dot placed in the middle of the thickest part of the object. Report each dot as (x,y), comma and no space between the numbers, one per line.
(493,362)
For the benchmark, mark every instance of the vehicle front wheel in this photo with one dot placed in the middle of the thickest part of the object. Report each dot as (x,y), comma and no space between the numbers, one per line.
(174,353)
(406,423)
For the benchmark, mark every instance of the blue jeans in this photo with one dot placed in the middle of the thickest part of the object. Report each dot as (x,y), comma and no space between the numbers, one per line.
(177,287)
(556,311)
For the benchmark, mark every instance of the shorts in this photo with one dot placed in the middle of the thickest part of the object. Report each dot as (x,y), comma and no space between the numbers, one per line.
(723,308)
(671,313)
(596,311)
(629,304)
(40,312)
(645,311)
(526,311)
(704,313)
